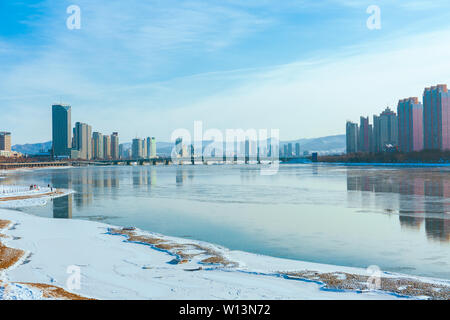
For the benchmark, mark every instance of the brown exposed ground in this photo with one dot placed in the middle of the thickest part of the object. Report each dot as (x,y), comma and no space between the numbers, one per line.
(53,292)
(347,281)
(4,224)
(336,280)
(211,256)
(31,196)
(10,256)
(215,260)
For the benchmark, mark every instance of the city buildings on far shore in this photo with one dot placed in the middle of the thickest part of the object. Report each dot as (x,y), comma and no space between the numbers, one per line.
(115,145)
(143,148)
(5,141)
(436,118)
(297,149)
(136,148)
(365,138)
(385,131)
(106,147)
(5,146)
(351,134)
(61,130)
(151,147)
(124,152)
(289,151)
(410,124)
(97,145)
(415,127)
(81,143)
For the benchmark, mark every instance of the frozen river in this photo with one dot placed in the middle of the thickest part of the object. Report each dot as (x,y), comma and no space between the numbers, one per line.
(396,218)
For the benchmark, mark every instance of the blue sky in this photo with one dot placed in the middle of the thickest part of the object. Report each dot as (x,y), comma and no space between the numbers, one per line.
(148,67)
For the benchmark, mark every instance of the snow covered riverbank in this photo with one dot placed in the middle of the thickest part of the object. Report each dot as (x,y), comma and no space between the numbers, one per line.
(24,196)
(131,264)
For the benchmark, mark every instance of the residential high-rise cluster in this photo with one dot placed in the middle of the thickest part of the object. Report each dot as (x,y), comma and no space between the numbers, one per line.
(5,146)
(143,148)
(415,127)
(82,143)
(288,150)
(181,149)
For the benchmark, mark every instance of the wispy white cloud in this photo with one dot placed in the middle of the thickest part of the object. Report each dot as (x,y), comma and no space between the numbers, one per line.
(302,99)
(130,64)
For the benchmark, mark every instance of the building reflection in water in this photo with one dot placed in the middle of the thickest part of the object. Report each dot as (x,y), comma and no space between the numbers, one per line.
(180,175)
(152,177)
(144,175)
(113,176)
(249,176)
(138,176)
(99,180)
(184,174)
(84,182)
(437,189)
(411,202)
(62,207)
(87,183)
(422,197)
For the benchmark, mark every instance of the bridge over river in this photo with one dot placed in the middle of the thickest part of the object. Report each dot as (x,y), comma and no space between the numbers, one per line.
(155,161)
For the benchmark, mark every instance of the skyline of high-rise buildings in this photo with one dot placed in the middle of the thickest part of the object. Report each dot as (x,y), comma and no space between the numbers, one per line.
(81,143)
(143,148)
(389,131)
(415,127)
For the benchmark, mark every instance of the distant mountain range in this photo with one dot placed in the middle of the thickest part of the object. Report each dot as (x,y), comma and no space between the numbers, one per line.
(323,145)
(38,148)
(32,149)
